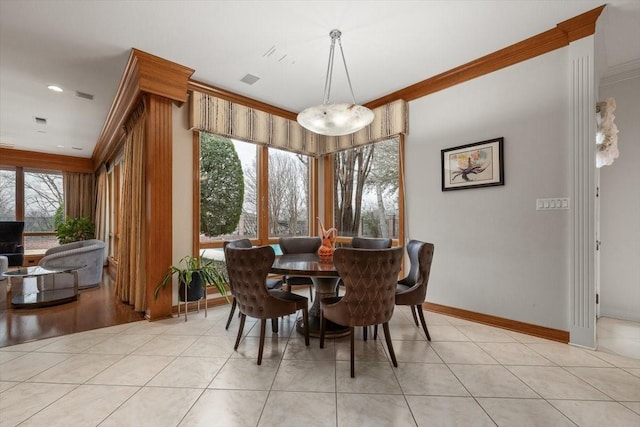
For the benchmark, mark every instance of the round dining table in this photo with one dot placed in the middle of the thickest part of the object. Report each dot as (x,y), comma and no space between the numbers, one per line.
(325,279)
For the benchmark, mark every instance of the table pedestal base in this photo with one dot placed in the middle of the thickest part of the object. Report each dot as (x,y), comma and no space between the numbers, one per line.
(325,287)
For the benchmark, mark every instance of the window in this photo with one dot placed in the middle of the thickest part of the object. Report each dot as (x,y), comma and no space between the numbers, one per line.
(7,195)
(288,194)
(228,189)
(366,190)
(43,208)
(41,200)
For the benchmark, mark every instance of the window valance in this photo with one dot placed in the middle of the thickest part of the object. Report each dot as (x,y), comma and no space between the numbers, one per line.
(211,114)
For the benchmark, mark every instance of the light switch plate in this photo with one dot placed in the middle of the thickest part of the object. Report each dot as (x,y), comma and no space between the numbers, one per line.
(554,203)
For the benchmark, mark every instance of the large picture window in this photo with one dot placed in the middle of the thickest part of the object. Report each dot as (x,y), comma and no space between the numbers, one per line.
(42,204)
(366,190)
(288,194)
(228,189)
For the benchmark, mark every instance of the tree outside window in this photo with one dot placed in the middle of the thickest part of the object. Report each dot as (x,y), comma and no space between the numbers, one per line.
(366,186)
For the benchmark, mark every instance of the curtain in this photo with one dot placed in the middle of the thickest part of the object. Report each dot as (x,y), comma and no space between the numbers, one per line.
(221,117)
(102,209)
(131,280)
(79,191)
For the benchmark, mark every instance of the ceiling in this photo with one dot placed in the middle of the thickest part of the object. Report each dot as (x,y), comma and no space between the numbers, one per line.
(388,45)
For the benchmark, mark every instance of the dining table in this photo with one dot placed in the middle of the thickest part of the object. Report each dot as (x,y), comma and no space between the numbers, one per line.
(325,278)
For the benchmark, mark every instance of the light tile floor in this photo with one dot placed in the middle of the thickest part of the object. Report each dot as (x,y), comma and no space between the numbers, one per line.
(172,373)
(618,336)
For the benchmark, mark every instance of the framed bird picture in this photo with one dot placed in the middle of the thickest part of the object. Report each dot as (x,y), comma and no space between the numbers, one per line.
(473,165)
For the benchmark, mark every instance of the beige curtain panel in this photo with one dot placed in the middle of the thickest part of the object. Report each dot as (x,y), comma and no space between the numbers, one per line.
(102,209)
(79,194)
(208,113)
(131,278)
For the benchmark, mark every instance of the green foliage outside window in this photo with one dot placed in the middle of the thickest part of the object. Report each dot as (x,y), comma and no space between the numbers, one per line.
(221,185)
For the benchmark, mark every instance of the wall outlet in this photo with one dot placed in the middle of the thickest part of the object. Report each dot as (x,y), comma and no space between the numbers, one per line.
(554,203)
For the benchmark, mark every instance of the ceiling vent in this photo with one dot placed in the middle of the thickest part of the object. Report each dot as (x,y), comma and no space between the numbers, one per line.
(84,95)
(249,79)
(40,120)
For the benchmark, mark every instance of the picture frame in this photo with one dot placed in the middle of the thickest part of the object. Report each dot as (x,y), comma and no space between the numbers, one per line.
(476,165)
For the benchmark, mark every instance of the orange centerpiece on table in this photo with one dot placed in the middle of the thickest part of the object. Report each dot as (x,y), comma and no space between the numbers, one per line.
(325,252)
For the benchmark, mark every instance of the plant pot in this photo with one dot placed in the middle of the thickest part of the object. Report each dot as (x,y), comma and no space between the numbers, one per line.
(195,291)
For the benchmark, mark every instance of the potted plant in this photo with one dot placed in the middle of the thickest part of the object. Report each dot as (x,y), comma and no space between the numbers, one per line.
(194,277)
(75,229)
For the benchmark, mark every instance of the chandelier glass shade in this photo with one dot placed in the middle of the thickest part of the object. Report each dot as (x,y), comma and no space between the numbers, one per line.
(335,119)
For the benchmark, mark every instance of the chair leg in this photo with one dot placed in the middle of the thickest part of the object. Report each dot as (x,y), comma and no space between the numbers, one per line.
(240,329)
(365,332)
(413,312)
(233,310)
(387,336)
(353,368)
(322,326)
(274,325)
(263,327)
(311,293)
(424,324)
(305,320)
(375,332)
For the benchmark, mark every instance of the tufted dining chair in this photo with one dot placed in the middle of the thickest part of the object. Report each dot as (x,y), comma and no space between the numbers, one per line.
(269,283)
(412,290)
(299,245)
(370,277)
(370,242)
(367,243)
(247,269)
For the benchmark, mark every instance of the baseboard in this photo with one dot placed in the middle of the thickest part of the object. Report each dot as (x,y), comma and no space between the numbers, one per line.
(500,322)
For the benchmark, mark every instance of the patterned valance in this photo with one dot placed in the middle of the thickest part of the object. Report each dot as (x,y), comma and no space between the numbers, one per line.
(208,113)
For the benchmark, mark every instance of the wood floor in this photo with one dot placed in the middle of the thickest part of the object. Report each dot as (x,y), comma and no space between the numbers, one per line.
(95,308)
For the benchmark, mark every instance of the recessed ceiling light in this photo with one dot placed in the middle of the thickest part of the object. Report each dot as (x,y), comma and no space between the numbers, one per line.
(60,146)
(54,88)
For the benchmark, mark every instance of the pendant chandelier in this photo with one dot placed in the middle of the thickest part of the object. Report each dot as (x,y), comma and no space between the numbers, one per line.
(335,119)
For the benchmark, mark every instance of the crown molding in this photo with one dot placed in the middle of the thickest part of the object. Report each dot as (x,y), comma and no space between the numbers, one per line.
(144,73)
(619,73)
(564,33)
(45,161)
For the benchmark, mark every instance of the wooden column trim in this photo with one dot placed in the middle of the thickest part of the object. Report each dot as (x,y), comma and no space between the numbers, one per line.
(564,33)
(314,197)
(195,218)
(158,178)
(328,197)
(144,73)
(263,194)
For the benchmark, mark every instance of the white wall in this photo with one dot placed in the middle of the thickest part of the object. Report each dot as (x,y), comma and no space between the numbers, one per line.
(620,209)
(494,253)
(182,207)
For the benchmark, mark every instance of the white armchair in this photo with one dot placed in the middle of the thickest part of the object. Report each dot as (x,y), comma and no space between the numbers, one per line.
(89,253)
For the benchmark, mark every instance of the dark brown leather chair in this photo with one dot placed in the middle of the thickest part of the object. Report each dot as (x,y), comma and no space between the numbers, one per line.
(299,245)
(367,243)
(370,277)
(370,242)
(270,283)
(247,269)
(412,290)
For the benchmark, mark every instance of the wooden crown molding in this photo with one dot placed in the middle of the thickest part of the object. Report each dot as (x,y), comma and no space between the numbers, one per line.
(196,86)
(144,73)
(564,33)
(46,161)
